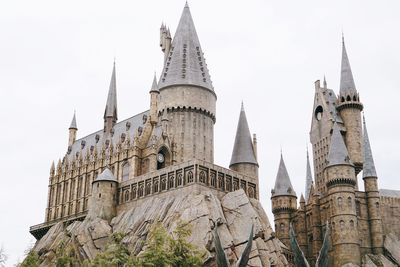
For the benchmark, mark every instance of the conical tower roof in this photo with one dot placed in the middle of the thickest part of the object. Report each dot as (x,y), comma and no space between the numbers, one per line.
(73,123)
(154,86)
(106,175)
(111,105)
(283,186)
(243,150)
(338,154)
(347,85)
(309,179)
(369,165)
(185,64)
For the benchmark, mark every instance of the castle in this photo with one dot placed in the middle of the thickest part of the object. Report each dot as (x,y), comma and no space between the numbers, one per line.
(341,148)
(169,150)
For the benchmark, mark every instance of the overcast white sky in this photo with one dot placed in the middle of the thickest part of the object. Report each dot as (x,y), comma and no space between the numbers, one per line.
(56,56)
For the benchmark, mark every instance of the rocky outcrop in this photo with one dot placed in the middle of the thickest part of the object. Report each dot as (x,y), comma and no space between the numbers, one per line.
(233,215)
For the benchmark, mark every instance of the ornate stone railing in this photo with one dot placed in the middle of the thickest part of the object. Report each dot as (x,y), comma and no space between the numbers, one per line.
(184,174)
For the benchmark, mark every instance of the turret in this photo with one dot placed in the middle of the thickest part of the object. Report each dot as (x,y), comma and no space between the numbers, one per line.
(341,184)
(103,201)
(110,112)
(243,158)
(186,92)
(73,129)
(309,179)
(154,93)
(301,230)
(350,107)
(284,203)
(165,40)
(373,200)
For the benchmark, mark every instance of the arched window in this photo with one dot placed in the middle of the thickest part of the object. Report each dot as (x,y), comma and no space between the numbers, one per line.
(342,99)
(140,191)
(126,196)
(221,183)
(349,202)
(348,98)
(351,223)
(134,192)
(235,185)
(251,192)
(148,188)
(179,179)
(125,171)
(340,202)
(190,177)
(213,180)
(341,225)
(202,177)
(354,98)
(171,182)
(377,205)
(163,158)
(282,227)
(163,184)
(155,187)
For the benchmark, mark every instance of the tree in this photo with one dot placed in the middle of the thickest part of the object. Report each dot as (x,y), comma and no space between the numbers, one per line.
(3,257)
(66,256)
(116,254)
(165,250)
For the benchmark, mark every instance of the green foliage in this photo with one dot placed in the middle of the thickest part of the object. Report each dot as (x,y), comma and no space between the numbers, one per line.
(31,260)
(115,254)
(3,257)
(165,250)
(66,256)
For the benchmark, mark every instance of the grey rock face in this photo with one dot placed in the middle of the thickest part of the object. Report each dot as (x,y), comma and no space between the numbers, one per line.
(233,215)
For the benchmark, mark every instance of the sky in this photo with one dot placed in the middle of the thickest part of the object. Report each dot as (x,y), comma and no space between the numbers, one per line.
(57,56)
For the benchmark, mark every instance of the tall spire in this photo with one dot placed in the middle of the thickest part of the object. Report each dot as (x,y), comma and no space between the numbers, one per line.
(243,150)
(369,165)
(185,64)
(283,186)
(111,105)
(338,154)
(154,86)
(309,179)
(347,85)
(73,122)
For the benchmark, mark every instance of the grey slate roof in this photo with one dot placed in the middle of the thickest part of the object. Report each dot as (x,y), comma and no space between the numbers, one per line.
(309,179)
(347,85)
(283,186)
(96,140)
(106,175)
(73,123)
(338,154)
(243,151)
(389,193)
(111,105)
(185,64)
(154,86)
(369,165)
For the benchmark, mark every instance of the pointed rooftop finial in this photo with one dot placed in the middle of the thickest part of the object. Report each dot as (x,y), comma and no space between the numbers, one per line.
(283,186)
(302,200)
(347,85)
(309,179)
(111,105)
(338,154)
(186,4)
(369,165)
(243,150)
(73,122)
(154,86)
(325,84)
(187,49)
(242,107)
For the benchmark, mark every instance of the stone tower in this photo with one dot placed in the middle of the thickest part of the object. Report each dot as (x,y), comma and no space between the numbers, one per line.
(73,129)
(373,200)
(187,97)
(341,184)
(284,203)
(350,107)
(244,158)
(110,112)
(103,201)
